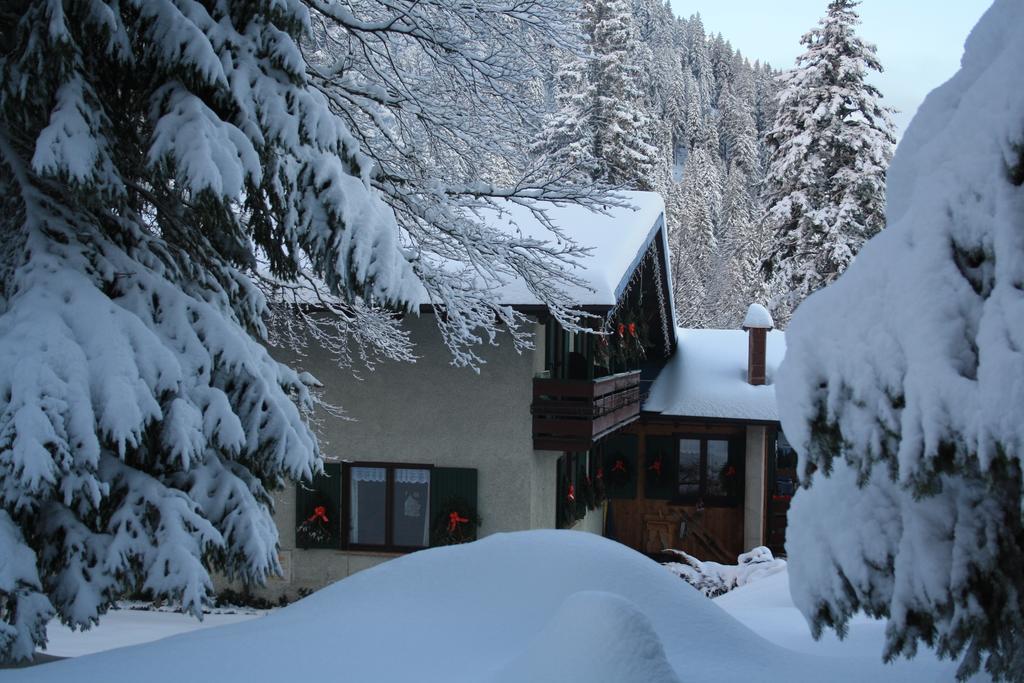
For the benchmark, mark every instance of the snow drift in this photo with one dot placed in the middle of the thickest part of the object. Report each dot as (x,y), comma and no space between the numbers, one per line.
(531,606)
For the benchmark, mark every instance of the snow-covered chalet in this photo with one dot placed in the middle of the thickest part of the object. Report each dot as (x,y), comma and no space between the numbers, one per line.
(656,436)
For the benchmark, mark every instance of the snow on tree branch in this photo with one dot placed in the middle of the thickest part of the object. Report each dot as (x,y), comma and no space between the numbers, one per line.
(177,175)
(830,146)
(903,382)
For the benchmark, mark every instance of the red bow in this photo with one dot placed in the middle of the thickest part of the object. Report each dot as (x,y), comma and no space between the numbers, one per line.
(622,330)
(731,472)
(619,466)
(656,466)
(572,493)
(454,520)
(632,329)
(319,512)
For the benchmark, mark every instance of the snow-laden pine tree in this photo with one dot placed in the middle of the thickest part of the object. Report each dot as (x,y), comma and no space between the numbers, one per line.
(620,119)
(694,244)
(698,58)
(567,137)
(162,164)
(904,380)
(830,146)
(742,244)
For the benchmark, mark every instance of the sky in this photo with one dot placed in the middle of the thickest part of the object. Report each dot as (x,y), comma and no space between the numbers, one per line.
(919,41)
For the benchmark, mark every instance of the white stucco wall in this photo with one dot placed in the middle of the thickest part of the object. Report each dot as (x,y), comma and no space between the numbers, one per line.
(432,413)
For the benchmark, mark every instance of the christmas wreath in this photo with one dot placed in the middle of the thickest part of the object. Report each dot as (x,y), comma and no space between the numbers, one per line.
(657,468)
(572,504)
(729,476)
(456,522)
(620,474)
(316,528)
(600,492)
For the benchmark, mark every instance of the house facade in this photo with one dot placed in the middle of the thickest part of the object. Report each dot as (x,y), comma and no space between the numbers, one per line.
(711,472)
(556,437)
(435,454)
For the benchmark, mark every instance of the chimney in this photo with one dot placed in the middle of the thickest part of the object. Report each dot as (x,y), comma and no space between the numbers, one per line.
(757,323)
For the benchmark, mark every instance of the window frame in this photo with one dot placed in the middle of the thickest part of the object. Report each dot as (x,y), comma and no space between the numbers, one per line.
(728,500)
(389,506)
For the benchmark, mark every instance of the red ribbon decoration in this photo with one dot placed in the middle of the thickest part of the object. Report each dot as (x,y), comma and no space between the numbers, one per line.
(600,473)
(319,512)
(572,494)
(619,466)
(656,467)
(731,472)
(622,330)
(454,520)
(632,329)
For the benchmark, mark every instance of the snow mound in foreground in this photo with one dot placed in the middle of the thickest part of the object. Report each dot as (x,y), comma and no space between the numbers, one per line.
(510,607)
(587,623)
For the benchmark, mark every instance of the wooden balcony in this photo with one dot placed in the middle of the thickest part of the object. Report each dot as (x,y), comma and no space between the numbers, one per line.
(572,414)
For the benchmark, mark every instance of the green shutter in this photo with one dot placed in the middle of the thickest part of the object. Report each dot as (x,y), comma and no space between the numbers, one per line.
(584,498)
(453,489)
(621,447)
(324,491)
(738,460)
(663,486)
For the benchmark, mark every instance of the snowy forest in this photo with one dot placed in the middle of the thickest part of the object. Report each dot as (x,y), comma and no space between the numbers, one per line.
(652,101)
(772,180)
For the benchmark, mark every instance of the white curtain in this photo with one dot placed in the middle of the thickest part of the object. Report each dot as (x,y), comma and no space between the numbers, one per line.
(417,476)
(378,474)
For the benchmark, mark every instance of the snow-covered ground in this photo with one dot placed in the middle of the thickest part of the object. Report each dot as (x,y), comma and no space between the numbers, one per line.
(123,627)
(532,606)
(765,607)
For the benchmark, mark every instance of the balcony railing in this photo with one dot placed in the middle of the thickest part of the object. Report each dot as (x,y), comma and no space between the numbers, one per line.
(572,414)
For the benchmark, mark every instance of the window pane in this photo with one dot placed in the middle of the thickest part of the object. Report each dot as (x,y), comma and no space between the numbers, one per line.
(412,507)
(719,472)
(368,505)
(785,467)
(689,467)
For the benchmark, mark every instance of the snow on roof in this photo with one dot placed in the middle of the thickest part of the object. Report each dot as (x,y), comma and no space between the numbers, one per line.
(618,241)
(758,317)
(707,377)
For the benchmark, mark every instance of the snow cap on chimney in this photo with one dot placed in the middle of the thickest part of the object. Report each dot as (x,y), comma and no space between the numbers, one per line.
(758,317)
(757,323)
